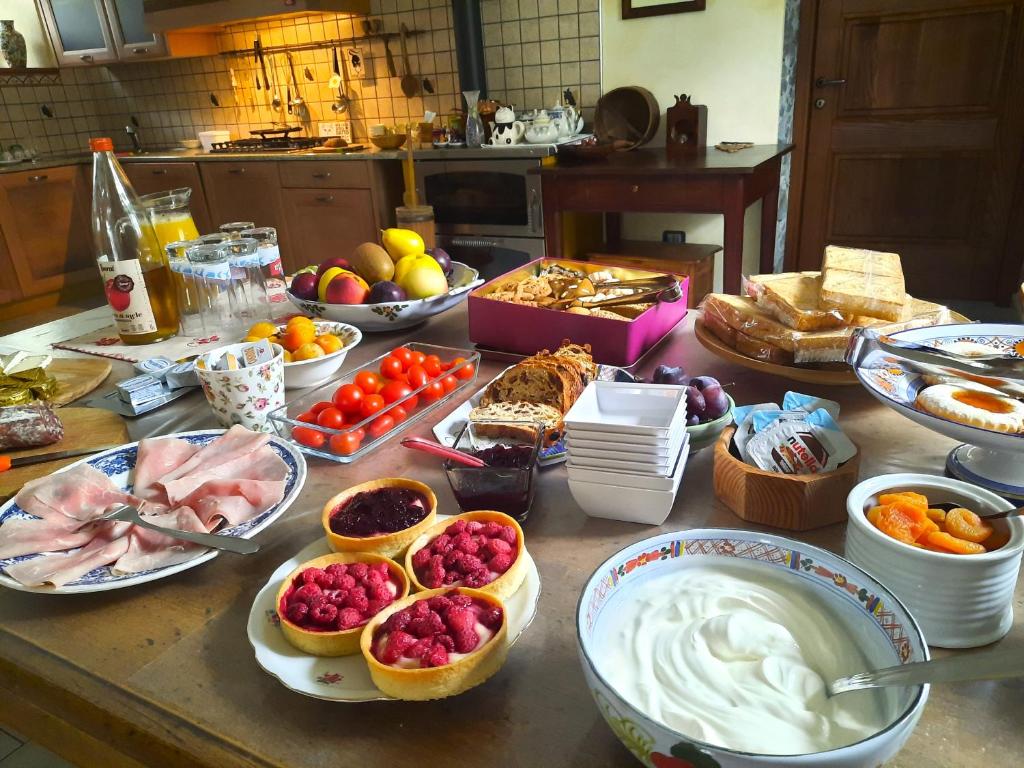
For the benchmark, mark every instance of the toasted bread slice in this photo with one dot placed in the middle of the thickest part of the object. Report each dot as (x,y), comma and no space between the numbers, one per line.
(744,344)
(743,314)
(793,301)
(861,282)
(753,285)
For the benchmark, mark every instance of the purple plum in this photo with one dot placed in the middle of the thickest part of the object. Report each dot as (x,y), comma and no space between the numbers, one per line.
(304,286)
(441,257)
(385,291)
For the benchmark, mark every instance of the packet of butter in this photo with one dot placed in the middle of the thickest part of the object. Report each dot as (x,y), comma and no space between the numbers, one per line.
(801,446)
(258,353)
(793,401)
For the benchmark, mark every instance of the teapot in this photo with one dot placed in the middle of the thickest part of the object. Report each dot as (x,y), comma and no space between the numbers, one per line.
(542,133)
(507,130)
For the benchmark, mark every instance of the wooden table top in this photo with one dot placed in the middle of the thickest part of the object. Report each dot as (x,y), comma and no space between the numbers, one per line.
(656,161)
(164,671)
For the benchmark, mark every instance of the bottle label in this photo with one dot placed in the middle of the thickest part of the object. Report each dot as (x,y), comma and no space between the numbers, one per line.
(126,292)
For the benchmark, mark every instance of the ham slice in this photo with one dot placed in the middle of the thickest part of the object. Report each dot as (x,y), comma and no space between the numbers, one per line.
(148,549)
(235,443)
(156,459)
(58,569)
(261,464)
(27,536)
(233,501)
(82,493)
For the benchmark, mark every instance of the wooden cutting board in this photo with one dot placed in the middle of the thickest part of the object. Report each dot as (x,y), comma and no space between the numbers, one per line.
(76,377)
(83,428)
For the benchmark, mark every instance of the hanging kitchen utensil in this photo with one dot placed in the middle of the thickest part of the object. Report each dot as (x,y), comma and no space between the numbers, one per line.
(392,69)
(410,83)
(335,80)
(427,85)
(301,110)
(275,102)
(256,59)
(342,104)
(263,63)
(308,74)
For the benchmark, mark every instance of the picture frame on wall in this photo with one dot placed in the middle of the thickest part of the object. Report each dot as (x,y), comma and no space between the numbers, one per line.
(639,9)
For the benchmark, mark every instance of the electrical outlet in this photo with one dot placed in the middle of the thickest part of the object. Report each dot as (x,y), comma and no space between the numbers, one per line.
(327,129)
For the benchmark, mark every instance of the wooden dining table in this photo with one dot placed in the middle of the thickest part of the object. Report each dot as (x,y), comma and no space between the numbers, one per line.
(162,674)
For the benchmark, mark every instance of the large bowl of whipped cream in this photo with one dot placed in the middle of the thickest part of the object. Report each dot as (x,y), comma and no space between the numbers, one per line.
(711,648)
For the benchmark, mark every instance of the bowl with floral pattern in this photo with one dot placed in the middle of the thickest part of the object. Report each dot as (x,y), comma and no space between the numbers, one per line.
(395,315)
(652,657)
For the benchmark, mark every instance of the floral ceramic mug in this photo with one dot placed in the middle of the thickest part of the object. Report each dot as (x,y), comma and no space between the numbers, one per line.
(243,396)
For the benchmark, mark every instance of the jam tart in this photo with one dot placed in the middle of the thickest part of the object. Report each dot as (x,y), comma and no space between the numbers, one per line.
(436,643)
(481,550)
(325,603)
(381,516)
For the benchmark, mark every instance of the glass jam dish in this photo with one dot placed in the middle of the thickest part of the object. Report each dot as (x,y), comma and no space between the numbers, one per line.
(511,449)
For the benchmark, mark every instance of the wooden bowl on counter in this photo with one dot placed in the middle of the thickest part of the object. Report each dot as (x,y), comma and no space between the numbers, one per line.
(793,502)
(388,141)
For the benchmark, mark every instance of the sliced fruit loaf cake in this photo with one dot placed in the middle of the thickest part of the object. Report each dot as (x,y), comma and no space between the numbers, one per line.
(528,413)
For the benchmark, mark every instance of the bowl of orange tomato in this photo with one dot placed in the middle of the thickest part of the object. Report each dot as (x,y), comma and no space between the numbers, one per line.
(314,350)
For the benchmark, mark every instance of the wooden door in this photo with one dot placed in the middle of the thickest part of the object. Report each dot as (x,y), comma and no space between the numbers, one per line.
(326,222)
(245,191)
(915,130)
(147,178)
(45,220)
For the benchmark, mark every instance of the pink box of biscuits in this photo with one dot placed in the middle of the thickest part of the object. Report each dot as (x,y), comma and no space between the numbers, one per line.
(509,313)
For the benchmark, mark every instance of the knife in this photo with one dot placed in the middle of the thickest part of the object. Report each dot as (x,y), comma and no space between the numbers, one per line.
(6,462)
(263,63)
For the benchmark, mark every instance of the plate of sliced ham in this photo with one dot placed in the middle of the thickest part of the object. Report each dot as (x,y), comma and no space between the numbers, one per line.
(233,483)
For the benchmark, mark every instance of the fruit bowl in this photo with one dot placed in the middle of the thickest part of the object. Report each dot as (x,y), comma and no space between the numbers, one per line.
(396,315)
(299,374)
(703,435)
(851,605)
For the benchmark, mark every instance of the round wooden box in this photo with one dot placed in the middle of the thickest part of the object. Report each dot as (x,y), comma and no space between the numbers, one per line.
(793,502)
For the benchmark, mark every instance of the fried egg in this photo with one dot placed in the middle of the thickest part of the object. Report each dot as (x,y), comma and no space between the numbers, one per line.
(973,404)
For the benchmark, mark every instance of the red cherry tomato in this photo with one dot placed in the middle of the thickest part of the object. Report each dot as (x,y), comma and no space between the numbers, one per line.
(381,425)
(309,437)
(331,418)
(391,367)
(450,383)
(398,413)
(432,365)
(418,357)
(348,398)
(446,366)
(394,391)
(461,369)
(371,404)
(360,433)
(369,382)
(404,354)
(417,376)
(309,417)
(433,391)
(346,443)
(323,404)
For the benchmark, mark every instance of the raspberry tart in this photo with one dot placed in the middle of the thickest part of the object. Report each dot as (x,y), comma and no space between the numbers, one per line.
(481,550)
(436,643)
(381,516)
(325,603)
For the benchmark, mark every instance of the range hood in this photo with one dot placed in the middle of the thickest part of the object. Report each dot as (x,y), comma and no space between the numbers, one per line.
(163,15)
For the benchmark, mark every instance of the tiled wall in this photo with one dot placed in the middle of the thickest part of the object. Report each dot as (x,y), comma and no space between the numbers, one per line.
(534,49)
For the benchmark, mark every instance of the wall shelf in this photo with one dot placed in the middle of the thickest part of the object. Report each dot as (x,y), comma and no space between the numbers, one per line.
(29,76)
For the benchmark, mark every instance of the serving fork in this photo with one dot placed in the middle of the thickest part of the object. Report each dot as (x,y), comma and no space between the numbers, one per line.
(125,513)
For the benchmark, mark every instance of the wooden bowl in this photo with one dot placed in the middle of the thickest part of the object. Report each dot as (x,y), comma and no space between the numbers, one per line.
(629,115)
(388,141)
(793,502)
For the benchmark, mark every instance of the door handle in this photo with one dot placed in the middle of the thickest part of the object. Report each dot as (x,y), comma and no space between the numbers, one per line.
(37,179)
(534,217)
(159,171)
(86,57)
(140,50)
(824,82)
(322,175)
(325,198)
(236,171)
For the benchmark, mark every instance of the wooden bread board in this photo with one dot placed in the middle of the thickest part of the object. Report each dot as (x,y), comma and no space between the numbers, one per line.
(76,377)
(83,428)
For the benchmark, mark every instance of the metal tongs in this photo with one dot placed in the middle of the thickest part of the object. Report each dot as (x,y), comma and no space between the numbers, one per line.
(662,288)
(934,361)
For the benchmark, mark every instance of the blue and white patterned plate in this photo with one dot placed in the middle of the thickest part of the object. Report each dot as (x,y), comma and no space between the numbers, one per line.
(895,386)
(117,464)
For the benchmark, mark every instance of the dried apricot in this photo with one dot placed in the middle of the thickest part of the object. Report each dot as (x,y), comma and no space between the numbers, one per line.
(909,497)
(873,514)
(894,523)
(951,544)
(966,525)
(936,515)
(927,526)
(909,508)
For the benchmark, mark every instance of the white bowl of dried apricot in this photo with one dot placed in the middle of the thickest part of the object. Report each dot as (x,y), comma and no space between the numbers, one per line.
(926,538)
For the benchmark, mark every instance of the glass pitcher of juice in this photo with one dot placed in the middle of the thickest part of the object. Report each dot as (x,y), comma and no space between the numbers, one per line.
(170,215)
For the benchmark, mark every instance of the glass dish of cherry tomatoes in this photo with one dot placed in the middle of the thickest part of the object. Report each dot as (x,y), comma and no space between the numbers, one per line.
(353,414)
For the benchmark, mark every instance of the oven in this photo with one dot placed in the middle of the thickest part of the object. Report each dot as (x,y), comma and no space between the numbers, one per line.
(487,213)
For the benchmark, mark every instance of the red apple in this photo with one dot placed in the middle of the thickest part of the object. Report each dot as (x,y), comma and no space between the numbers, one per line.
(337,261)
(345,290)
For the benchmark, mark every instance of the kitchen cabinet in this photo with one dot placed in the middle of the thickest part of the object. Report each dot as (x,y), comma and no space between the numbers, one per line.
(9,288)
(326,222)
(127,27)
(45,222)
(147,178)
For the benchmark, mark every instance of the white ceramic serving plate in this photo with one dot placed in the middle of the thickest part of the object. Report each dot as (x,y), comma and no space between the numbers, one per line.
(884,630)
(311,373)
(117,464)
(346,678)
(645,500)
(649,410)
(992,459)
(961,601)
(396,315)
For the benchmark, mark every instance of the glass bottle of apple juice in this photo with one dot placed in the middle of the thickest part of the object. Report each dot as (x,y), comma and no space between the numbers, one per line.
(133,266)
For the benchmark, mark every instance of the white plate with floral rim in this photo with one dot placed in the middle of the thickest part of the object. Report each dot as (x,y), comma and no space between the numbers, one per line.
(117,464)
(346,678)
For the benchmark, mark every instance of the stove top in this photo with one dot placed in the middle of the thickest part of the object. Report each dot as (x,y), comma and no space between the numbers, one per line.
(268,140)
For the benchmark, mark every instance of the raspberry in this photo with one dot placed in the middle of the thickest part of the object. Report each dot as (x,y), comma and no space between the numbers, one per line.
(373,578)
(442,545)
(358,600)
(475,526)
(435,561)
(491,618)
(471,563)
(467,545)
(456,528)
(311,575)
(421,558)
(461,619)
(451,577)
(498,547)
(462,601)
(434,578)
(380,592)
(296,612)
(420,627)
(358,570)
(323,614)
(445,641)
(381,568)
(398,643)
(478,578)
(439,603)
(337,597)
(316,600)
(437,657)
(398,621)
(465,641)
(500,563)
(420,648)
(508,533)
(453,557)
(337,569)
(492,529)
(344,582)
(375,607)
(349,618)
(306,593)
(420,608)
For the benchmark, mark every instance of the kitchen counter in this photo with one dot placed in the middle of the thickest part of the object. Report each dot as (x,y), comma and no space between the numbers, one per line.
(163,674)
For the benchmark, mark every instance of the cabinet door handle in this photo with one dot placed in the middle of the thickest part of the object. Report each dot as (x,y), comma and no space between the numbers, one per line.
(159,171)
(322,175)
(236,171)
(36,179)
(140,50)
(325,198)
(824,82)
(86,57)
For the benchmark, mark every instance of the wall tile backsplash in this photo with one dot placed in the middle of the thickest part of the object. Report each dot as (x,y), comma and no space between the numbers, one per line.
(534,49)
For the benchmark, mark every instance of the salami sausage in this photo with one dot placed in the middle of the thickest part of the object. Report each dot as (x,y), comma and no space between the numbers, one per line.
(29,426)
